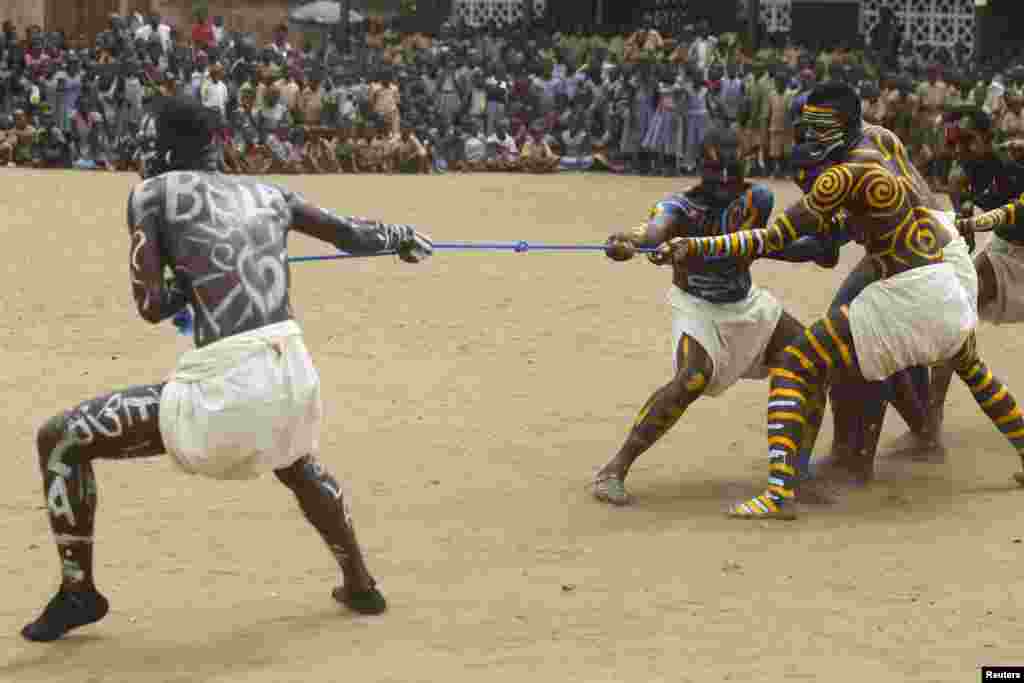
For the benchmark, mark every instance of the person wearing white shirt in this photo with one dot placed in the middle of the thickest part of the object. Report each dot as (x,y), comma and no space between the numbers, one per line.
(502,149)
(214,91)
(218,31)
(161,29)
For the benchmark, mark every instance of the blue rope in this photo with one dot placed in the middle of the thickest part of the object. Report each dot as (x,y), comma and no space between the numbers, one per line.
(517,247)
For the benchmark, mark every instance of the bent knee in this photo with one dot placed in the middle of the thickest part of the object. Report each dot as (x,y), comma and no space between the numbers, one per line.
(688,384)
(50,433)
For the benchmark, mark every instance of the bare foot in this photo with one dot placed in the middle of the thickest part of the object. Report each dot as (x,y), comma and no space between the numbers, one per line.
(844,467)
(918,448)
(1019,478)
(815,492)
(611,488)
(763,507)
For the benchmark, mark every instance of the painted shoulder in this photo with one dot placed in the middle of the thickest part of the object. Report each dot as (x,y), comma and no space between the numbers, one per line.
(681,207)
(146,199)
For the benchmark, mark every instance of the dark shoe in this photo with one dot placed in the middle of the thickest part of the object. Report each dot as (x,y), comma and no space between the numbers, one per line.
(66,611)
(364,602)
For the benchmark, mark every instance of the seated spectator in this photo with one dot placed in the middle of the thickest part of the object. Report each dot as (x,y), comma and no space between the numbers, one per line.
(412,155)
(297,151)
(474,147)
(25,138)
(365,159)
(311,102)
(503,149)
(576,154)
(8,140)
(385,150)
(345,150)
(536,156)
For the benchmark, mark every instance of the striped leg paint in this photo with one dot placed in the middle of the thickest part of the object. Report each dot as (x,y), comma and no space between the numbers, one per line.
(993,397)
(794,412)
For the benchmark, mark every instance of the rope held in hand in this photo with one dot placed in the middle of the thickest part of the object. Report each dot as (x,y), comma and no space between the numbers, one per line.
(520,247)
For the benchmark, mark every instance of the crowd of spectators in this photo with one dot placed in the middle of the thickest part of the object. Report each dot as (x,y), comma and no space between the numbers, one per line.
(492,98)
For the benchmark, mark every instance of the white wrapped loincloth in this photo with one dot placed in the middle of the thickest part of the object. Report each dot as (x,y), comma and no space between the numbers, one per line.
(244,405)
(958,255)
(922,316)
(734,335)
(1008,266)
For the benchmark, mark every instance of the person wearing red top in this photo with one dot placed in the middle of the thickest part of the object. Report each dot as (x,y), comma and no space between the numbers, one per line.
(202,32)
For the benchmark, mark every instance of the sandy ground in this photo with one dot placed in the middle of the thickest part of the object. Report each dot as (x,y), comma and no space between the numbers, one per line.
(469,401)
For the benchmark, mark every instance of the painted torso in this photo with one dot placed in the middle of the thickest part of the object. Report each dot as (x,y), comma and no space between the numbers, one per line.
(225,239)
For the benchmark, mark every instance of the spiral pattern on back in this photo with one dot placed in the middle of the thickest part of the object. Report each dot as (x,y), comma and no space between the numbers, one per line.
(830,189)
(883,193)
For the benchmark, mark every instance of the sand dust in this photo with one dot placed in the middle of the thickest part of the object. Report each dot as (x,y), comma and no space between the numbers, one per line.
(470,400)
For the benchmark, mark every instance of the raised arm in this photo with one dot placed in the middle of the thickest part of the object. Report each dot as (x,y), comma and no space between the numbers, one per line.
(359,235)
(996,218)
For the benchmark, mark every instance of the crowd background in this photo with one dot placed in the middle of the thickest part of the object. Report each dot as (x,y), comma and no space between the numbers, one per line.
(492,98)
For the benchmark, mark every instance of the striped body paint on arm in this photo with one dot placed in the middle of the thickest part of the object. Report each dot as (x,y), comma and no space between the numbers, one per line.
(997,218)
(812,215)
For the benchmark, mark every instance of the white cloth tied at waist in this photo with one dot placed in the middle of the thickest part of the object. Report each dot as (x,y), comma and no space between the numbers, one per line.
(244,405)
(224,355)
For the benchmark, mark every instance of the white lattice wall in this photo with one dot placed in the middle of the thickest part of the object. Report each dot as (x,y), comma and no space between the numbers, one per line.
(777,15)
(936,23)
(477,12)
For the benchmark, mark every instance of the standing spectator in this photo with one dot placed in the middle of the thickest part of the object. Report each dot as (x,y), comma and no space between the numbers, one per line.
(311,102)
(218,32)
(497,86)
(449,97)
(697,119)
(384,102)
(214,95)
(660,137)
(280,45)
(155,26)
(289,87)
(701,50)
(202,32)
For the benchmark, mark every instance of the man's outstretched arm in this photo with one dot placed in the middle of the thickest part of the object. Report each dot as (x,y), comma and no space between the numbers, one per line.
(360,235)
(996,218)
(811,215)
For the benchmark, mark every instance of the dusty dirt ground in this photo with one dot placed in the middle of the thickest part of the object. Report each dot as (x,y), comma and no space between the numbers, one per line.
(470,400)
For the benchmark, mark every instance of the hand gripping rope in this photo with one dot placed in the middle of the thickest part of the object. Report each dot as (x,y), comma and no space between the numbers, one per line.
(184,322)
